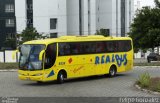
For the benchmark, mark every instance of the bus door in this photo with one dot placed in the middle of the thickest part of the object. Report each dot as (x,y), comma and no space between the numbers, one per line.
(49,61)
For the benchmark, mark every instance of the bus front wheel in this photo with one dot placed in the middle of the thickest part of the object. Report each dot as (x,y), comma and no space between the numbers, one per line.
(60,78)
(112,71)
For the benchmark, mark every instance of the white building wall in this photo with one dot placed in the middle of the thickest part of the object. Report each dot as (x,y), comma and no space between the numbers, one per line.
(1,57)
(93,17)
(72,17)
(8,56)
(119,18)
(102,15)
(113,31)
(43,11)
(85,15)
(20,8)
(62,17)
(129,14)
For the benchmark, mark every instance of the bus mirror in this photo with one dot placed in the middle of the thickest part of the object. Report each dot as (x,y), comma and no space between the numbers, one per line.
(41,55)
(14,54)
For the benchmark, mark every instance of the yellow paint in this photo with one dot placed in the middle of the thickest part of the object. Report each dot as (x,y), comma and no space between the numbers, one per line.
(81,65)
(14,54)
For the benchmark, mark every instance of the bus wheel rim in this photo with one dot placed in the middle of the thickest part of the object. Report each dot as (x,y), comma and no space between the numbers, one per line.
(61,77)
(112,72)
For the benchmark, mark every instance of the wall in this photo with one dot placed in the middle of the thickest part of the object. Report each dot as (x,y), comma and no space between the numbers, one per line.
(42,13)
(62,17)
(73,17)
(20,8)
(4,31)
(102,15)
(8,57)
(1,57)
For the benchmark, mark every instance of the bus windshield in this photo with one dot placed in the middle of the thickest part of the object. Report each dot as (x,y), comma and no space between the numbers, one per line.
(29,57)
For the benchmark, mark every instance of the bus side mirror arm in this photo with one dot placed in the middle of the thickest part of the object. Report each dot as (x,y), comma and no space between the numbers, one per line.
(41,55)
(14,54)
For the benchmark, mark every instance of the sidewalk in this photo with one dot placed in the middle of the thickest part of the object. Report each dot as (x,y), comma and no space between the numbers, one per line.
(140,60)
(8,70)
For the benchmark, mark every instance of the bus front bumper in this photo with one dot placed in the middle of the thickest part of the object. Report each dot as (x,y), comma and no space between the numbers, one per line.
(30,78)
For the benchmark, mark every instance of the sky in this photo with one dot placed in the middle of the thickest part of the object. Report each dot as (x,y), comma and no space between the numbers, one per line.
(140,3)
(147,3)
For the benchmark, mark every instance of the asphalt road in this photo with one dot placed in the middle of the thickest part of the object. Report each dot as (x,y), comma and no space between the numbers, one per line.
(98,86)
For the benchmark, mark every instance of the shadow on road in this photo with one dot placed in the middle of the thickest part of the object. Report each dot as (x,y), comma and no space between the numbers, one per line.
(82,79)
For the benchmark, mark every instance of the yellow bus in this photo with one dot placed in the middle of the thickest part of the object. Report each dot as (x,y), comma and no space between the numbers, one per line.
(69,57)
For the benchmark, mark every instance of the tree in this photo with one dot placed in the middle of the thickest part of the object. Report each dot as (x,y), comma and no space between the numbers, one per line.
(29,34)
(10,43)
(104,32)
(145,30)
(157,2)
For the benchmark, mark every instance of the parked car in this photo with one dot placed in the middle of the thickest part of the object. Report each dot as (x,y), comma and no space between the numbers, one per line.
(153,57)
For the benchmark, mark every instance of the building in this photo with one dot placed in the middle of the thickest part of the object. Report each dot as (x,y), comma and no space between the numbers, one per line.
(7,21)
(75,17)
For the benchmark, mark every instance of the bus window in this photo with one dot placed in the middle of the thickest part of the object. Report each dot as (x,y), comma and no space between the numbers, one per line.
(50,55)
(124,45)
(111,46)
(100,47)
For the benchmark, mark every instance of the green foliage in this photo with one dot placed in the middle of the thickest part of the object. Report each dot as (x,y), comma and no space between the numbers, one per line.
(29,34)
(147,64)
(103,32)
(145,30)
(8,65)
(144,80)
(158,87)
(136,50)
(10,43)
(154,36)
(157,3)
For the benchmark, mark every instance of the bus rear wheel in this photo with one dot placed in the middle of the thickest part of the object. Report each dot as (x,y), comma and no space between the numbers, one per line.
(112,71)
(39,82)
(60,78)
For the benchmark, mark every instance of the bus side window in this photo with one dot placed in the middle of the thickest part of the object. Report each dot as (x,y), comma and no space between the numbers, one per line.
(66,49)
(100,47)
(50,55)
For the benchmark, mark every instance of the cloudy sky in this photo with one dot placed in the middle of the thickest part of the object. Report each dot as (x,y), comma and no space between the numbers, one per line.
(147,2)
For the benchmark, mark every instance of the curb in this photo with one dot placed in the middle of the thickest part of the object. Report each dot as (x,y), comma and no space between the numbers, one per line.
(147,66)
(146,90)
(11,70)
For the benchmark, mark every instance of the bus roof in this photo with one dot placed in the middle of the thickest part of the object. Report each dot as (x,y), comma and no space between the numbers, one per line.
(76,39)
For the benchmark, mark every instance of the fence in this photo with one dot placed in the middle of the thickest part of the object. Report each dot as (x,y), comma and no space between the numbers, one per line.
(141,54)
(6,56)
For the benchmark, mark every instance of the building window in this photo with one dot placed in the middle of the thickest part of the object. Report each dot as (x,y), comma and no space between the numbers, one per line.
(29,7)
(9,22)
(53,23)
(30,21)
(9,8)
(53,35)
(10,36)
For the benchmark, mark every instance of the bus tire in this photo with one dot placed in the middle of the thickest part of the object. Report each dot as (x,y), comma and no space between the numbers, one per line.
(60,77)
(39,82)
(112,71)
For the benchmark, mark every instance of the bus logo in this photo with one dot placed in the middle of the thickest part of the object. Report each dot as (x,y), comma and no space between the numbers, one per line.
(119,59)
